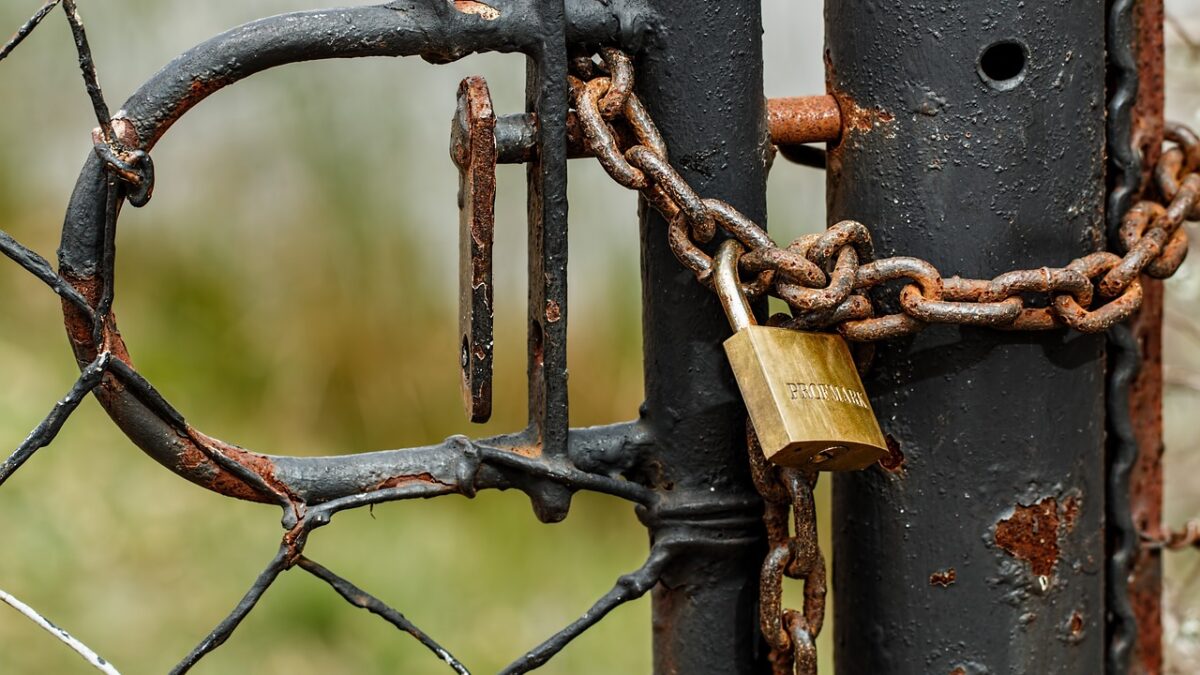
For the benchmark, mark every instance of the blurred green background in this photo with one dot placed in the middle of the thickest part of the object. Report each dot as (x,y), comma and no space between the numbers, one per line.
(292,288)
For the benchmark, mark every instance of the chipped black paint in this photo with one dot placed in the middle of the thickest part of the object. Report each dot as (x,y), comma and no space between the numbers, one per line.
(977,180)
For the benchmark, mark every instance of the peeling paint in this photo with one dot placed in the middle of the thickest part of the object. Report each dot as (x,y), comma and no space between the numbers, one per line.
(397,481)
(479,9)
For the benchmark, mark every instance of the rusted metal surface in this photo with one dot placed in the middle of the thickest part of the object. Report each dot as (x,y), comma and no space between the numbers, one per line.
(1149,103)
(1136,130)
(943,578)
(857,119)
(1146,389)
(794,120)
(790,518)
(1146,480)
(1031,534)
(791,121)
(473,149)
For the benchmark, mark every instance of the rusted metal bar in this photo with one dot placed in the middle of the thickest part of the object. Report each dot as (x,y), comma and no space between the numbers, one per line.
(705,609)
(791,121)
(795,120)
(983,552)
(546,185)
(1135,406)
(1146,391)
(473,149)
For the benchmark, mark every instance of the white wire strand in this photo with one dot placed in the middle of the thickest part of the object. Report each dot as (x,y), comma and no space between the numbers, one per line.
(66,638)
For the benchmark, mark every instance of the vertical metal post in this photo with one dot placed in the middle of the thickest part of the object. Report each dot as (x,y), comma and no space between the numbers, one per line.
(701,79)
(1135,444)
(545,92)
(974,139)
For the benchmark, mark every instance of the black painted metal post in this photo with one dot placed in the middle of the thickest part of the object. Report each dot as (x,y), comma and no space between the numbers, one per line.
(701,78)
(984,553)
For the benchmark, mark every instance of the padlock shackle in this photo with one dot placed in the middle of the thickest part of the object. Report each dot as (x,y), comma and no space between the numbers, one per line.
(729,289)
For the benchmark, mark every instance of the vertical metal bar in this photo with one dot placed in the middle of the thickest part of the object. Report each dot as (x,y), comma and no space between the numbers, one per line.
(974,139)
(700,77)
(1135,406)
(546,96)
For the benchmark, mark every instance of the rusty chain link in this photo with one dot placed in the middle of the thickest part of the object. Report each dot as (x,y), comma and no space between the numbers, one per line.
(791,634)
(825,278)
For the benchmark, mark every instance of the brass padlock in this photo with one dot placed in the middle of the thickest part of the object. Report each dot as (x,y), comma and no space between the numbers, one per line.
(801,389)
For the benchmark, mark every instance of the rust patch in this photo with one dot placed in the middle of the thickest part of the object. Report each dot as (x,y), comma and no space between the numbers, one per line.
(1031,534)
(553,311)
(1146,391)
(473,148)
(199,89)
(259,464)
(479,9)
(1148,105)
(859,119)
(943,578)
(893,462)
(194,464)
(79,326)
(1075,624)
(1070,512)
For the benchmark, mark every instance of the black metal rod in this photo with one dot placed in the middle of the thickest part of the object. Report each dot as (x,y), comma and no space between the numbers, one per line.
(701,80)
(360,598)
(976,142)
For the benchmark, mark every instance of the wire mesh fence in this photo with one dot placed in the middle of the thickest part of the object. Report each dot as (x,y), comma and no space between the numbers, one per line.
(310,492)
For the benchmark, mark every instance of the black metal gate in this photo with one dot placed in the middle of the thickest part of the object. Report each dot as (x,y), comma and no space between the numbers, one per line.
(995,537)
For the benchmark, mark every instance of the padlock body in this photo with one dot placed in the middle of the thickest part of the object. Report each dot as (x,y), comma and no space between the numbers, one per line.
(805,399)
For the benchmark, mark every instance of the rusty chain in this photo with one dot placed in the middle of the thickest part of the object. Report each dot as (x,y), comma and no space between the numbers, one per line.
(825,280)
(791,634)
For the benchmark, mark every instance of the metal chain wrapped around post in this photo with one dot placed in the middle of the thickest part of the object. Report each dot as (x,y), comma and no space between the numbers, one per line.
(824,278)
(603,95)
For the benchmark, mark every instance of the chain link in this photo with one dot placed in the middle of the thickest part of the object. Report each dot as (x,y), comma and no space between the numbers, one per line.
(825,278)
(792,553)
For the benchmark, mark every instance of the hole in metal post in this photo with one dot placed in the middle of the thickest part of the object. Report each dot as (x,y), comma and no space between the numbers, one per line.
(1002,64)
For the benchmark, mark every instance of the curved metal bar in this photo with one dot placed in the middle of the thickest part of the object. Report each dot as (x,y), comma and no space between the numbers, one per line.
(432,29)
